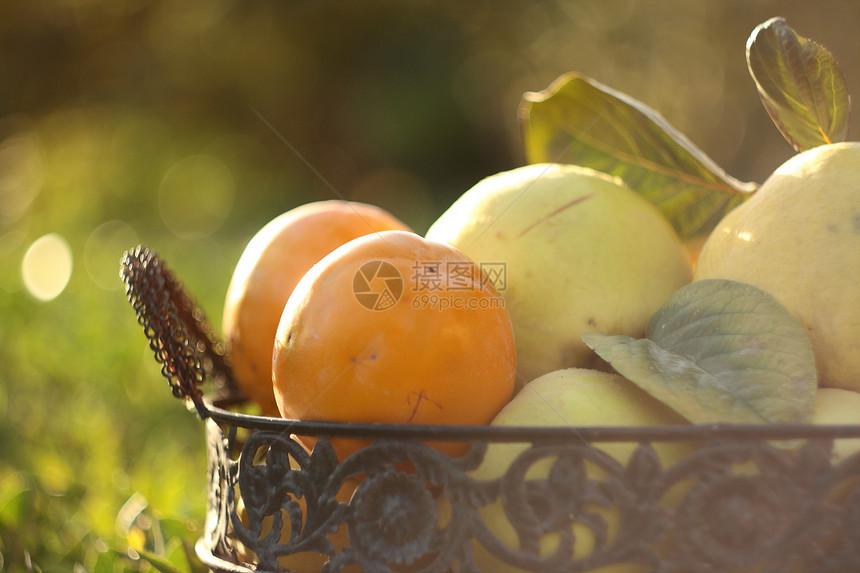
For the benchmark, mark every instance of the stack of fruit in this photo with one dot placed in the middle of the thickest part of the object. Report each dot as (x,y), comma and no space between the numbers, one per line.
(620,278)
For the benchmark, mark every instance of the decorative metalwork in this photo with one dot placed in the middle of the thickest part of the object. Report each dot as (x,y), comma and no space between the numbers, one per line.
(731,498)
(735,504)
(178,332)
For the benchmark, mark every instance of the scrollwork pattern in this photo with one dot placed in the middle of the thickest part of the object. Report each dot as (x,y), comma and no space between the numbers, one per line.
(221,478)
(726,506)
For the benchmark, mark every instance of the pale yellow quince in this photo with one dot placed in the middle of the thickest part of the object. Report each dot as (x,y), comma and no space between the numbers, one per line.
(798,238)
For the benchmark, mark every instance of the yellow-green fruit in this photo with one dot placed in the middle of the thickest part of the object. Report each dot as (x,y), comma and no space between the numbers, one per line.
(573,397)
(581,253)
(838,406)
(798,237)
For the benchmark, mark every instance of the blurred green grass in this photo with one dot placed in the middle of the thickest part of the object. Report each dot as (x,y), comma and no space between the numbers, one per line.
(177,126)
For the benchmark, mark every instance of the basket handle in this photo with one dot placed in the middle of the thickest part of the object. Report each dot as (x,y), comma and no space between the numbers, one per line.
(178,332)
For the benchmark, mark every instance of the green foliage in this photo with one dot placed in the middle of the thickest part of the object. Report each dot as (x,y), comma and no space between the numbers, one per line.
(800,84)
(720,351)
(88,427)
(579,121)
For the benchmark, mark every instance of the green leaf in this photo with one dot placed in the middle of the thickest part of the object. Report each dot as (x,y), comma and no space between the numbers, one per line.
(800,84)
(720,351)
(577,120)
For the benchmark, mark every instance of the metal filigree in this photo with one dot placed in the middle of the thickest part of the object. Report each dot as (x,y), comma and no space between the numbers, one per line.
(178,332)
(724,497)
(737,505)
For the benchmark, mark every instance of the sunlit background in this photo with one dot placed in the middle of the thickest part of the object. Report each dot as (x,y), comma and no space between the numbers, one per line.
(187,126)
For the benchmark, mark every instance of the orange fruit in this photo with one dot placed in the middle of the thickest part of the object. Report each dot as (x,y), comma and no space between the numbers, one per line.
(394,328)
(268,270)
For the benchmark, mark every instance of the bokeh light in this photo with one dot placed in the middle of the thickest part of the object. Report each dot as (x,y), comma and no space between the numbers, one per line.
(47,267)
(195,196)
(21,171)
(101,258)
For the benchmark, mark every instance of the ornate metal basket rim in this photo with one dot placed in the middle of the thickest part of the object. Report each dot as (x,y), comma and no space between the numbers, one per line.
(536,434)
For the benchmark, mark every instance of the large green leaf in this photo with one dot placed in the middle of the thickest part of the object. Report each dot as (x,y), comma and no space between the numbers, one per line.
(720,351)
(800,85)
(577,120)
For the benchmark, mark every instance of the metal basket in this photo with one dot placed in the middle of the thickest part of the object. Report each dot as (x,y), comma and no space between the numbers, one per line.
(745,497)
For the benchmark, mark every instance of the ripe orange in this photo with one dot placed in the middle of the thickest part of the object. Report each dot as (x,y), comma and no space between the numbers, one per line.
(394,328)
(268,270)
